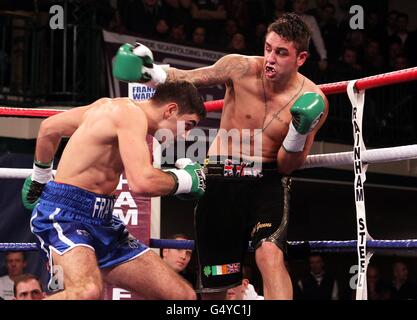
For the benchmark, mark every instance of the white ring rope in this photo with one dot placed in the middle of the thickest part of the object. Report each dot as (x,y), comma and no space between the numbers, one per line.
(313,161)
(13,173)
(369,156)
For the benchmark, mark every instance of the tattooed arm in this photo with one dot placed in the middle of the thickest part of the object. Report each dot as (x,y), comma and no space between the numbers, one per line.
(225,70)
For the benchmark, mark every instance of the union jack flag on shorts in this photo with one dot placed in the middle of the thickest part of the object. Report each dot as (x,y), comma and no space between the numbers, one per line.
(233,268)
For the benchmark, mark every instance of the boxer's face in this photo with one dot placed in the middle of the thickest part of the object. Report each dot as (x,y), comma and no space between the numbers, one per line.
(177,124)
(281,57)
(185,123)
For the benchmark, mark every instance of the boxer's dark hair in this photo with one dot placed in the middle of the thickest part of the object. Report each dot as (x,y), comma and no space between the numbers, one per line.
(290,27)
(184,94)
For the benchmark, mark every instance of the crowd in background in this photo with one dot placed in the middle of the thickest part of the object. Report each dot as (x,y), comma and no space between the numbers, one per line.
(385,43)
(314,281)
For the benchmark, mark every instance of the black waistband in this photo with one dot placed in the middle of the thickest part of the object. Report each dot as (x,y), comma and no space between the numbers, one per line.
(229,167)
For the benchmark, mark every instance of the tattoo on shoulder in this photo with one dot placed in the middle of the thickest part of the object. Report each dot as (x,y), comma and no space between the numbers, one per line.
(238,68)
(222,72)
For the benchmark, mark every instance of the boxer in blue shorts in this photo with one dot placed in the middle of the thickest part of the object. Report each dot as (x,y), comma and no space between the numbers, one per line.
(72,215)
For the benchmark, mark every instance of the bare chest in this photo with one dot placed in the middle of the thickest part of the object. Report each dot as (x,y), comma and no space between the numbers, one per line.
(250,107)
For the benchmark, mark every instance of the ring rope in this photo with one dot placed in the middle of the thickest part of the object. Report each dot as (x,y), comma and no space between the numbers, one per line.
(28,112)
(313,161)
(369,156)
(189,244)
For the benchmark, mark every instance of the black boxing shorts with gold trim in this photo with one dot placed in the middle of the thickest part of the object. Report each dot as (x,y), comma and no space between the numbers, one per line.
(234,210)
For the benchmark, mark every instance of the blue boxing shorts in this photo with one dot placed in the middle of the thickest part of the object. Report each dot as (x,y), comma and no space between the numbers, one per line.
(67,217)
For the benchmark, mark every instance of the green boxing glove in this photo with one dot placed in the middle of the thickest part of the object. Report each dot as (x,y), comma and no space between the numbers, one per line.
(135,64)
(34,184)
(190,178)
(306,112)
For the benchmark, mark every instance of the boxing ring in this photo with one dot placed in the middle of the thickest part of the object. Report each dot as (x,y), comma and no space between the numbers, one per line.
(360,158)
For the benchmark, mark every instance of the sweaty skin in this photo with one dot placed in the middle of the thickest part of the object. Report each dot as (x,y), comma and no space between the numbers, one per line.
(107,138)
(244,102)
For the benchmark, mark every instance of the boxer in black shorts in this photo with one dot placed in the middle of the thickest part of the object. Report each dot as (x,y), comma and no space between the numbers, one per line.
(266,94)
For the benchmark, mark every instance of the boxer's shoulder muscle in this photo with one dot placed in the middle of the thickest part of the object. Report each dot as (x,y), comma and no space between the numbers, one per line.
(118,111)
(127,114)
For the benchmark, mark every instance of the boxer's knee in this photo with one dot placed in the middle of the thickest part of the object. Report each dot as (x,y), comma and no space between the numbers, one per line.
(89,290)
(185,292)
(269,255)
(189,294)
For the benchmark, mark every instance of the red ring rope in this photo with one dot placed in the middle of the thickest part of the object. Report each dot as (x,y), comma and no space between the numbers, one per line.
(28,112)
(217,105)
